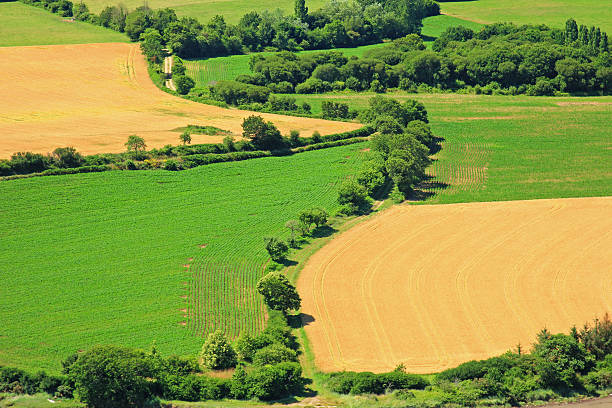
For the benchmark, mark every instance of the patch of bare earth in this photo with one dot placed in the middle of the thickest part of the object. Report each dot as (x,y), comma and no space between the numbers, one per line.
(434,286)
(93,96)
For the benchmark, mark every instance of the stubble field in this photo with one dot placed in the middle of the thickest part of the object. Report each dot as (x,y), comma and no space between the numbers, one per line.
(93,96)
(435,286)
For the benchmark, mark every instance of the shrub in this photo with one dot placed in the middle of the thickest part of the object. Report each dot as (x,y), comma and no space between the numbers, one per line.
(274,354)
(109,376)
(238,93)
(274,381)
(67,157)
(183,84)
(217,352)
(354,198)
(332,110)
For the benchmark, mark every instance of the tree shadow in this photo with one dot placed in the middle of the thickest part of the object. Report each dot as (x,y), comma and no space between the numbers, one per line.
(323,231)
(427,38)
(287,262)
(438,145)
(427,189)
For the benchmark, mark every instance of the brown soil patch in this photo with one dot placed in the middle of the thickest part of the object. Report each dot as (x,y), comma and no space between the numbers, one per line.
(434,286)
(93,96)
(203,246)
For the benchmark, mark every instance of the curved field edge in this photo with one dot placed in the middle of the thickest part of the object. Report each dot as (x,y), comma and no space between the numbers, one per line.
(105,254)
(434,286)
(24,25)
(66,105)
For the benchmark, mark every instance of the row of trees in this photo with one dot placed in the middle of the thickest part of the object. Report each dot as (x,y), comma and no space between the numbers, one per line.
(345,23)
(400,153)
(500,58)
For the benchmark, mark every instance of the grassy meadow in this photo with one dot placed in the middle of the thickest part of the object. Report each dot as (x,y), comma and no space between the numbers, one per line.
(550,12)
(22,24)
(102,258)
(512,147)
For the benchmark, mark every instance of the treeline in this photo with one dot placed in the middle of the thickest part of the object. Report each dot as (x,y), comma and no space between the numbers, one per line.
(501,58)
(559,365)
(399,154)
(338,24)
(111,376)
(261,139)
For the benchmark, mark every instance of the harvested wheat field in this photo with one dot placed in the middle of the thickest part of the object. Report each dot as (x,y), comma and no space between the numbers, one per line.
(434,286)
(93,96)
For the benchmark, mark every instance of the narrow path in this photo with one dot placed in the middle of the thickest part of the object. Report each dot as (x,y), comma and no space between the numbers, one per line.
(168,70)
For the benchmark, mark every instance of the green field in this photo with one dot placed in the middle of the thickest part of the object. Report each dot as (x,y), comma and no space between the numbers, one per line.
(550,12)
(28,25)
(513,148)
(434,26)
(99,258)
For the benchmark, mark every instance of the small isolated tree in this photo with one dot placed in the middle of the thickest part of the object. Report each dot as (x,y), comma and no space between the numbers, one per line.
(316,216)
(264,135)
(277,249)
(217,352)
(274,354)
(185,138)
(293,225)
(278,292)
(135,144)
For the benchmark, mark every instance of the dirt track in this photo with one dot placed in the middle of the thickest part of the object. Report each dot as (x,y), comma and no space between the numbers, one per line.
(93,96)
(434,286)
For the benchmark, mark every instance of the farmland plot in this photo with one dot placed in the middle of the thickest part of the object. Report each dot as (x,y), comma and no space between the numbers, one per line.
(433,286)
(93,96)
(133,257)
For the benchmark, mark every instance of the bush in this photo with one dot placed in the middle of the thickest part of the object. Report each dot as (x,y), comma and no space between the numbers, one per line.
(349,382)
(273,354)
(109,376)
(333,110)
(238,93)
(217,352)
(274,381)
(354,198)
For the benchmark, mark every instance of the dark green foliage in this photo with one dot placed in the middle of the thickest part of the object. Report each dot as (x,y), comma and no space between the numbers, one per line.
(109,376)
(272,381)
(333,110)
(263,135)
(404,113)
(349,382)
(183,84)
(278,292)
(16,381)
(238,93)
(561,359)
(597,337)
(27,162)
(151,44)
(277,249)
(274,354)
(354,198)
(316,216)
(67,157)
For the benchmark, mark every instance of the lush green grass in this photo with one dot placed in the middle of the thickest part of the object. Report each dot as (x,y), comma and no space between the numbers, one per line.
(99,258)
(434,26)
(551,12)
(21,24)
(204,10)
(513,148)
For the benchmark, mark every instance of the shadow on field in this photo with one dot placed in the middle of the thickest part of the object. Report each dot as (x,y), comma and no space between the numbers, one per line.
(323,231)
(427,189)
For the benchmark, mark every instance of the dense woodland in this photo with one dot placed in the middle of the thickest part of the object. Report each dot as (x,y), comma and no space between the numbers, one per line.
(499,59)
(338,24)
